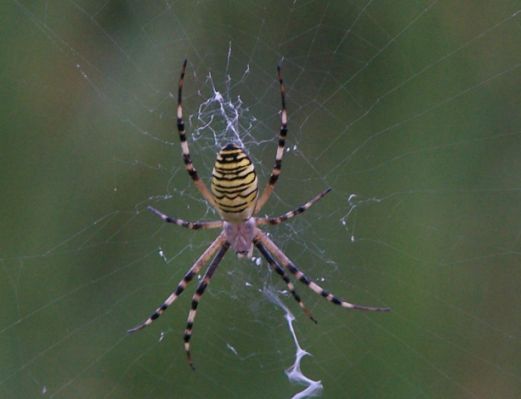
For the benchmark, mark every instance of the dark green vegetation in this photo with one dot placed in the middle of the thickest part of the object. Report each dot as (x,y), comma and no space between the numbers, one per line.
(409,110)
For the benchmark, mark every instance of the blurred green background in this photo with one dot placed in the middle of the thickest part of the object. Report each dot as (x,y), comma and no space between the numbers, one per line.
(409,110)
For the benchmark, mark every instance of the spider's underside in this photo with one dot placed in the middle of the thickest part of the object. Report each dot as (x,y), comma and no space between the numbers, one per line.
(234,194)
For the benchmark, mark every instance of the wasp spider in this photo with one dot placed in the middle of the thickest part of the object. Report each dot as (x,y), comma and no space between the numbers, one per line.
(234,194)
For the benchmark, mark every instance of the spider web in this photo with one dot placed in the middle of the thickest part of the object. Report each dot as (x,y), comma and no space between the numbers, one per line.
(409,110)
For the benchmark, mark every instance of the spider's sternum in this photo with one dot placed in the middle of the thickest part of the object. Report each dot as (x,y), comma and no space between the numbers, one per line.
(234,184)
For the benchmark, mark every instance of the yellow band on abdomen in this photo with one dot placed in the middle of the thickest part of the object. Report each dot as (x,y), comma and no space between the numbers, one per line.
(234,184)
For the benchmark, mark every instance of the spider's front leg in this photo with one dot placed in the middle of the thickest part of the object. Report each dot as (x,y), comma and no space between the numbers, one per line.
(197,297)
(260,237)
(273,263)
(203,259)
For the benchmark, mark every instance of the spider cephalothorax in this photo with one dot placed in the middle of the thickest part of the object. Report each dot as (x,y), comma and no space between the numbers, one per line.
(234,194)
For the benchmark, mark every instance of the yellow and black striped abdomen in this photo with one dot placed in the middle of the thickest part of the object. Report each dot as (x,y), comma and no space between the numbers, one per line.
(234,184)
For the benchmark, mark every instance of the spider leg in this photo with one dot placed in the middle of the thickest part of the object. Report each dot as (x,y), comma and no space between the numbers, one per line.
(280,149)
(273,263)
(293,213)
(293,269)
(185,223)
(204,258)
(201,287)
(184,143)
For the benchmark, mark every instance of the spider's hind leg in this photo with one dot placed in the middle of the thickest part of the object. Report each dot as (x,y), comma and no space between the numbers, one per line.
(187,159)
(275,173)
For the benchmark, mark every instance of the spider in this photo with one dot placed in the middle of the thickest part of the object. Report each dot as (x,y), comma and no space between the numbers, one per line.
(234,194)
